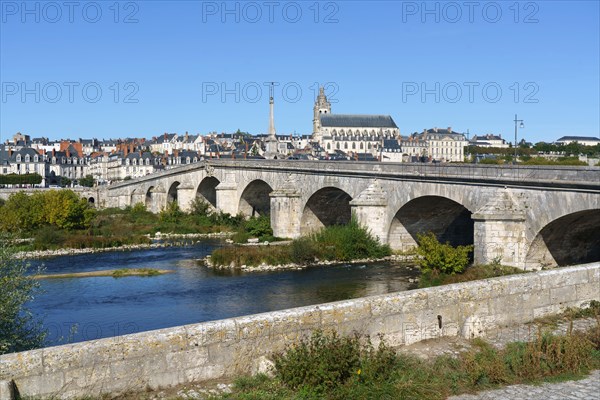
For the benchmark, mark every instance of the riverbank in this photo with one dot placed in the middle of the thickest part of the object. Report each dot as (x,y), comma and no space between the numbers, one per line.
(114,273)
(169,240)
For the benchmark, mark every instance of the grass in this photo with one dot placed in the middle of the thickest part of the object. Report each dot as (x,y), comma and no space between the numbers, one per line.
(329,367)
(472,273)
(333,243)
(115,273)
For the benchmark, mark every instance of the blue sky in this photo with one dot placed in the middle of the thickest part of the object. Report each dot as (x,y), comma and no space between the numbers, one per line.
(201,66)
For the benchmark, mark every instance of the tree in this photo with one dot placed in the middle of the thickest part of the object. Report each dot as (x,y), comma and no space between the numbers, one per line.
(88,181)
(441,258)
(18,329)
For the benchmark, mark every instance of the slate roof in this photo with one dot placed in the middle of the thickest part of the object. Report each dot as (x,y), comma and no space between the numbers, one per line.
(391,144)
(357,121)
(578,138)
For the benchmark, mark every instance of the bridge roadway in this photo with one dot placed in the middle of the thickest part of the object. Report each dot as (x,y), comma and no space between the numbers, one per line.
(526,216)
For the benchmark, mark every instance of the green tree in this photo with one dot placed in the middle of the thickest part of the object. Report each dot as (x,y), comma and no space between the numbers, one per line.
(441,258)
(65,209)
(18,329)
(88,181)
(64,181)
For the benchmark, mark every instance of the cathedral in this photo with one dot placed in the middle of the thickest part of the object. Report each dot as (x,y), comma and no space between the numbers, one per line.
(350,133)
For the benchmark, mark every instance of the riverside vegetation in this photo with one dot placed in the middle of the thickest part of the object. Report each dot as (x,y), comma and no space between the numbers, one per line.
(332,243)
(61,219)
(327,366)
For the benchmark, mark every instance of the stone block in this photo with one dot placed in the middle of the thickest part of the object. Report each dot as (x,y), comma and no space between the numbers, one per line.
(563,294)
(588,291)
(204,373)
(211,332)
(345,312)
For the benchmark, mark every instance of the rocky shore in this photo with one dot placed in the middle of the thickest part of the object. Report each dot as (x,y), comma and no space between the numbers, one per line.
(167,240)
(293,266)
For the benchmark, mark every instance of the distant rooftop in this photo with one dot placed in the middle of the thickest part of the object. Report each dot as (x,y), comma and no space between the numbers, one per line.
(357,121)
(578,139)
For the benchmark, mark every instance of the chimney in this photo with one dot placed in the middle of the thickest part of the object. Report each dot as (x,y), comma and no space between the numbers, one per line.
(10,152)
(435,129)
(449,129)
(186,136)
(53,152)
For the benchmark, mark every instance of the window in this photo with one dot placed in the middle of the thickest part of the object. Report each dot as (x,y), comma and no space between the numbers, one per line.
(27,158)
(18,158)
(328,146)
(36,159)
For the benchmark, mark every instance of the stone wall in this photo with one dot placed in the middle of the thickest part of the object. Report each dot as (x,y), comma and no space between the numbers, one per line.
(231,347)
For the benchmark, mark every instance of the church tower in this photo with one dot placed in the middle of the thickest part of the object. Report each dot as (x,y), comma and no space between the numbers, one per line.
(322,106)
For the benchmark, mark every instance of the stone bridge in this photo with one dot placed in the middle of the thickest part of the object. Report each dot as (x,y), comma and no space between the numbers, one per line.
(525,216)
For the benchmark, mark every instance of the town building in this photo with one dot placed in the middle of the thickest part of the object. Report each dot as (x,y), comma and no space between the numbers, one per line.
(488,141)
(443,145)
(583,140)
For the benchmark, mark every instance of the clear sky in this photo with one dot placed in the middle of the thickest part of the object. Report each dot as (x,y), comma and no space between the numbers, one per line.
(142,68)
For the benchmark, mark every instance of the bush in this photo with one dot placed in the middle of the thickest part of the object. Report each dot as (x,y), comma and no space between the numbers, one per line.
(200,207)
(171,213)
(258,226)
(441,258)
(348,242)
(18,330)
(327,361)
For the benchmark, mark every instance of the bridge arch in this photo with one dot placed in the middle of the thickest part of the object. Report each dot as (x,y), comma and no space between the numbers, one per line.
(449,220)
(255,199)
(327,206)
(148,198)
(172,193)
(207,190)
(570,239)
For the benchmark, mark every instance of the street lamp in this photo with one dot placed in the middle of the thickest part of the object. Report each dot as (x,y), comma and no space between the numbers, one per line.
(521,125)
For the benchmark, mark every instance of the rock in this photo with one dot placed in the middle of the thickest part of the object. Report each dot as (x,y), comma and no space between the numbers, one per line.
(265,366)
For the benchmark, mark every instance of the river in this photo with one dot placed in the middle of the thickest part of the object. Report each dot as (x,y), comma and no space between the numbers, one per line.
(104,306)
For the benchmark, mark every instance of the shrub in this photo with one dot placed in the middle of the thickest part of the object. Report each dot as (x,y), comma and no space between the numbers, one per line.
(326,361)
(258,226)
(200,207)
(171,213)
(348,242)
(18,330)
(441,258)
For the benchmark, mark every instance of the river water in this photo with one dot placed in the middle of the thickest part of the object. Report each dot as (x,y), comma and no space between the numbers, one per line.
(104,306)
